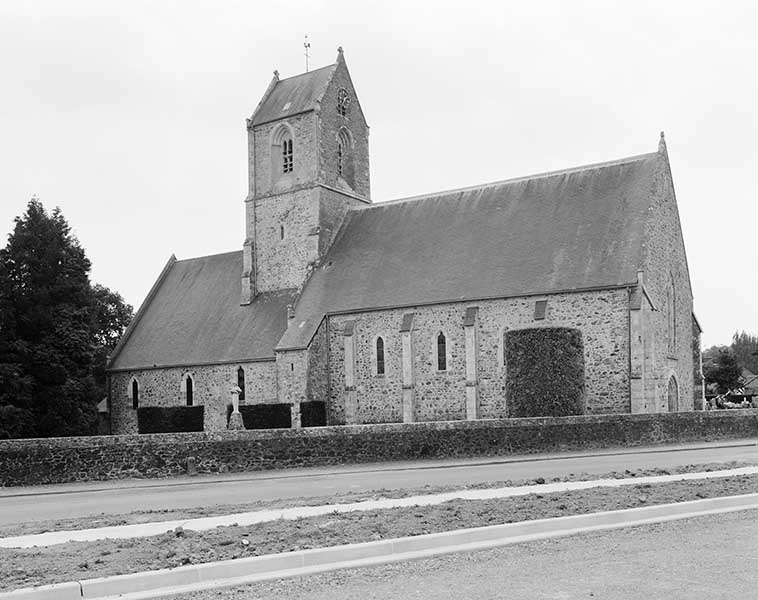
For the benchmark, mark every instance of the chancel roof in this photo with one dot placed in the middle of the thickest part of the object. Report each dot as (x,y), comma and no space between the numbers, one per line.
(193,316)
(293,95)
(582,228)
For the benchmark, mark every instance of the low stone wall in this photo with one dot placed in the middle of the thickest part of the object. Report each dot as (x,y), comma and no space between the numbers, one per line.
(56,460)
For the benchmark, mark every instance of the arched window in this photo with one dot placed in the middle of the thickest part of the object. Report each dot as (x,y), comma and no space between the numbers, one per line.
(345,155)
(189,390)
(379,356)
(441,352)
(135,394)
(282,152)
(287,159)
(241,383)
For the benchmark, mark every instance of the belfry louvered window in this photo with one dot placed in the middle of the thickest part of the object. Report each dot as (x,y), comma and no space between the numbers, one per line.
(441,352)
(287,157)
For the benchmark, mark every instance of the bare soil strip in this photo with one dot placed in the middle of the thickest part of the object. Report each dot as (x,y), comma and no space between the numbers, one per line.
(149,516)
(82,560)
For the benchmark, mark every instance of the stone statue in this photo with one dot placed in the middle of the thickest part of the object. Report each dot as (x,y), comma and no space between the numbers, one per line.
(235,420)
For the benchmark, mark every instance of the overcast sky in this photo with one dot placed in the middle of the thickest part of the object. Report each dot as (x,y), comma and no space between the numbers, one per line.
(130,116)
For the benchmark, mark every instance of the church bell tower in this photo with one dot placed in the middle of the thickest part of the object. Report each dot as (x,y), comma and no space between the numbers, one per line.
(308,165)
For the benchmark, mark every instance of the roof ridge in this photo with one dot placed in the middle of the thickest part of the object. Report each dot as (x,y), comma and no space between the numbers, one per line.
(209,255)
(308,72)
(483,186)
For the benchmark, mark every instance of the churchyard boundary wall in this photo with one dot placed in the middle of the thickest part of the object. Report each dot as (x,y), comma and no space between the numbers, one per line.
(57,460)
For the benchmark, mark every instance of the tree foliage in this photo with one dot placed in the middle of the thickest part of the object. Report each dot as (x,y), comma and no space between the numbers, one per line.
(745,349)
(55,330)
(722,370)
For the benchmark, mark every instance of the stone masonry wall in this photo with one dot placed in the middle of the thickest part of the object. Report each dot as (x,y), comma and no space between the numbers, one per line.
(318,365)
(602,317)
(304,153)
(665,258)
(330,122)
(165,387)
(282,263)
(57,460)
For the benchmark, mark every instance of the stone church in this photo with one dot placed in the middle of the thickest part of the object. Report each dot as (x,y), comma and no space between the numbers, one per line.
(398,311)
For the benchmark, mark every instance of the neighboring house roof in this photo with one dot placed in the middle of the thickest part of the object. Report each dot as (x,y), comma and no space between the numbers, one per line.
(293,95)
(750,380)
(193,316)
(581,228)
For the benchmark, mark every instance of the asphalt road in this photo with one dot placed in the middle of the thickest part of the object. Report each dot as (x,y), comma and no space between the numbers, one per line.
(713,557)
(118,497)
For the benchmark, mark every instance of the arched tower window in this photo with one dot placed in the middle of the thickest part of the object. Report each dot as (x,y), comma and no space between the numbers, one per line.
(379,356)
(189,390)
(345,156)
(241,383)
(441,352)
(282,152)
(135,394)
(287,161)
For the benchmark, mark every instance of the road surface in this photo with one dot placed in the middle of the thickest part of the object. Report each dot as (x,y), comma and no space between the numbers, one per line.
(123,496)
(713,557)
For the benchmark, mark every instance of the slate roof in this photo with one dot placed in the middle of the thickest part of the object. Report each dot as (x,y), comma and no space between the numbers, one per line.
(194,317)
(294,95)
(576,229)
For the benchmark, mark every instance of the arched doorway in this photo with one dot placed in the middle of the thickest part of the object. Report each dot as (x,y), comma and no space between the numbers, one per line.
(673,394)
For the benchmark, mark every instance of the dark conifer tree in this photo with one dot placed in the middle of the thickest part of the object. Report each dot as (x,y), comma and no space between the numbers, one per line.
(53,328)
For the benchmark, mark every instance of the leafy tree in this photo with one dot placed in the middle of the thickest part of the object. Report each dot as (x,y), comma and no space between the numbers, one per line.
(723,371)
(745,349)
(110,315)
(54,330)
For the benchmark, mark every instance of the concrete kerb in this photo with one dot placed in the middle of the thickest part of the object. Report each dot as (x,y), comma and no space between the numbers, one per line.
(58,591)
(155,584)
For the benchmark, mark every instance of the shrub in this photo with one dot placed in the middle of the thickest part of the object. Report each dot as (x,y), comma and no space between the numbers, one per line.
(544,372)
(266,416)
(170,419)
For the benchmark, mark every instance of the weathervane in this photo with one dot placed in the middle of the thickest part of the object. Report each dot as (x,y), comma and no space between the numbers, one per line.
(307,46)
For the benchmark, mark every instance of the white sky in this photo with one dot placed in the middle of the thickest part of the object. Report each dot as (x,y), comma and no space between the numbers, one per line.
(130,116)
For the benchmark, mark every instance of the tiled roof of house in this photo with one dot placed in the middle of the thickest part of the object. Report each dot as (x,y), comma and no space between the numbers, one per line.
(193,317)
(294,95)
(577,229)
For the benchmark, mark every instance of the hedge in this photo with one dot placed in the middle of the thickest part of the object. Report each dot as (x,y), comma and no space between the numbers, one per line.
(544,372)
(313,413)
(170,419)
(266,416)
